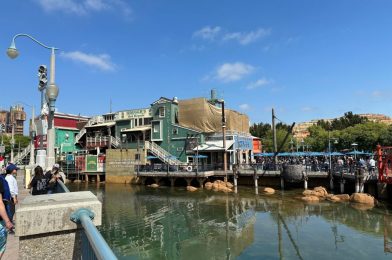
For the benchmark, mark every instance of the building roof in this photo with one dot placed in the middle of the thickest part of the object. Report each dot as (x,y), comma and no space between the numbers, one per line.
(101,124)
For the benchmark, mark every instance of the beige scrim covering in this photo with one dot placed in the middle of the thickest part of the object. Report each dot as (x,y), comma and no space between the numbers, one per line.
(198,114)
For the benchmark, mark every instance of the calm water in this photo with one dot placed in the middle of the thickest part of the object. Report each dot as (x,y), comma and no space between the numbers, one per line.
(165,223)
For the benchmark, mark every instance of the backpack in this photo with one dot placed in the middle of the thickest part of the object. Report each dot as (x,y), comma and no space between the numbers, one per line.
(7,194)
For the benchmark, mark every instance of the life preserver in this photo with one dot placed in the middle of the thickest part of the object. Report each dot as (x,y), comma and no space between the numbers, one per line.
(189,168)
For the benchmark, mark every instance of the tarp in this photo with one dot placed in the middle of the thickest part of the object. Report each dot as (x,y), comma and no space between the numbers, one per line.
(199,114)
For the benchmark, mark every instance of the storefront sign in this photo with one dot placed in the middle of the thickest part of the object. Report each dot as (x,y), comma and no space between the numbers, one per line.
(91,163)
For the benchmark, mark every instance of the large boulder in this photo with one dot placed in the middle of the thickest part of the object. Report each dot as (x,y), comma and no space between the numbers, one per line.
(191,188)
(268,190)
(219,185)
(311,198)
(343,197)
(333,198)
(309,193)
(321,191)
(229,185)
(208,185)
(363,198)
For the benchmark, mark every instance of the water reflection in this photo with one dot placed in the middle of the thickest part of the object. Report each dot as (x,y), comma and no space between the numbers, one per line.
(169,223)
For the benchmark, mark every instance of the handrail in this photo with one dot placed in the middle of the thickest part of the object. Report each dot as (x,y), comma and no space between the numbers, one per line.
(101,249)
(84,216)
(62,186)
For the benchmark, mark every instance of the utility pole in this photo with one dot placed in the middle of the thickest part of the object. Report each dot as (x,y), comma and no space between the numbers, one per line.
(12,143)
(224,139)
(274,138)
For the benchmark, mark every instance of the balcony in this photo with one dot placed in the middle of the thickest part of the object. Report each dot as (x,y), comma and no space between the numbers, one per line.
(101,142)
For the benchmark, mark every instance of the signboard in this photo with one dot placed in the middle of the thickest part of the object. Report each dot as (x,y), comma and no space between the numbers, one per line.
(91,163)
(135,113)
(2,149)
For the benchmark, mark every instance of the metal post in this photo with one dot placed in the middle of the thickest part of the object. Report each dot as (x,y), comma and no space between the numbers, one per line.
(274,139)
(224,140)
(341,186)
(12,143)
(51,131)
(282,183)
(331,186)
(197,155)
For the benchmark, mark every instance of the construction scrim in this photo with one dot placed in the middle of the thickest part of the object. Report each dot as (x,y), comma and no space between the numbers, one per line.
(198,113)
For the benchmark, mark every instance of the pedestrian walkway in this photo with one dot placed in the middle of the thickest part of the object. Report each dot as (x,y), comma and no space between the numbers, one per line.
(12,251)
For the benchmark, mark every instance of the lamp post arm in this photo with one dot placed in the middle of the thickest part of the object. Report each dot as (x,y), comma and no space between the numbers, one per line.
(32,38)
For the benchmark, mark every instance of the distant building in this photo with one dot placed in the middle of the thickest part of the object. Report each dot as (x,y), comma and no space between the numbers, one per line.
(16,117)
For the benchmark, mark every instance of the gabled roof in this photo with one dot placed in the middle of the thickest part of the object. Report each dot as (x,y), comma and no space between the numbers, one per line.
(162,100)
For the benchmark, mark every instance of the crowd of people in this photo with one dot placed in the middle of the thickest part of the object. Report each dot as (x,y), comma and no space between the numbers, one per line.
(321,163)
(41,183)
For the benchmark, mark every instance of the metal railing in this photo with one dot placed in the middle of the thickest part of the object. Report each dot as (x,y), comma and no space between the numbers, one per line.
(20,156)
(161,153)
(94,245)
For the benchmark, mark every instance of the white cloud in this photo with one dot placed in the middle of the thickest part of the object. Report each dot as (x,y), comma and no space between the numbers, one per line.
(211,33)
(84,7)
(100,61)
(244,107)
(245,38)
(229,72)
(259,83)
(207,33)
(307,109)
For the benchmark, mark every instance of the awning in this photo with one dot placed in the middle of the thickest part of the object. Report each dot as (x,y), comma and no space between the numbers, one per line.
(140,128)
(101,124)
(214,146)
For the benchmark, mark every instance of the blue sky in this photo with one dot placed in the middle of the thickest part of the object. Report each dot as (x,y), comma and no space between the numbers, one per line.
(308,59)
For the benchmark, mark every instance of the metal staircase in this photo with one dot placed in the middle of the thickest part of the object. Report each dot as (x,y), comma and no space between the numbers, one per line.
(94,120)
(80,135)
(18,159)
(115,141)
(161,153)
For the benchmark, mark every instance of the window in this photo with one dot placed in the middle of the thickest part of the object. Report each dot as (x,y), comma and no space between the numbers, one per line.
(147,121)
(137,157)
(156,128)
(140,121)
(135,122)
(161,112)
(175,131)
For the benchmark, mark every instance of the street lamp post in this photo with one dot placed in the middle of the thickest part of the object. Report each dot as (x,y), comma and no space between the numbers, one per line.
(354,145)
(222,102)
(330,159)
(51,94)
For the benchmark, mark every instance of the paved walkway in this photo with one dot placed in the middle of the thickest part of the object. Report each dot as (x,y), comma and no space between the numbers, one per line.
(12,251)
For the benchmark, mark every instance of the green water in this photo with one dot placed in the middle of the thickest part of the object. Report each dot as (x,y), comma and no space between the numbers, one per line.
(167,223)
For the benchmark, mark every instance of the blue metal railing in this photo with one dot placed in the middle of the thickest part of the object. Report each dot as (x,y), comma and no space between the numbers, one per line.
(94,245)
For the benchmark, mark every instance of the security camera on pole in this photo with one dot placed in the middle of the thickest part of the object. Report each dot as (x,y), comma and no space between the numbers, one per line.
(42,83)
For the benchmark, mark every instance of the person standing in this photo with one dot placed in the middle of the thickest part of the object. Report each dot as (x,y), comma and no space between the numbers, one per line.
(5,223)
(52,177)
(39,182)
(11,172)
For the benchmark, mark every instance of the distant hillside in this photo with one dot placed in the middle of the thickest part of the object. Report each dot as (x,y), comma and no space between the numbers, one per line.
(300,130)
